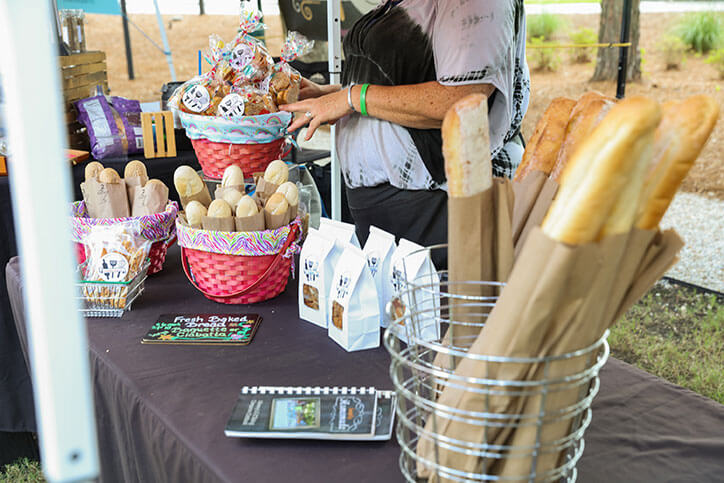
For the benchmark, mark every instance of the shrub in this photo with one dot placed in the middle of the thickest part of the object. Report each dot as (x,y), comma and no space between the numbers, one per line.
(544,59)
(701,31)
(543,25)
(717,60)
(674,51)
(583,36)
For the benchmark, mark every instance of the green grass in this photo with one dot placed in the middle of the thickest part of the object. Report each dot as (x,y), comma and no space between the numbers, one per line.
(701,31)
(544,26)
(676,334)
(22,471)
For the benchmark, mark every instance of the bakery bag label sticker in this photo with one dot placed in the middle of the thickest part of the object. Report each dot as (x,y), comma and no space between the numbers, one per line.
(241,56)
(373,261)
(114,267)
(196,98)
(347,414)
(231,106)
(311,270)
(264,85)
(341,286)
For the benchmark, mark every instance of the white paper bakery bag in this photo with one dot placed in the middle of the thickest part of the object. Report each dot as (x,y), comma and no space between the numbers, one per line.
(378,249)
(319,256)
(410,265)
(355,314)
(345,232)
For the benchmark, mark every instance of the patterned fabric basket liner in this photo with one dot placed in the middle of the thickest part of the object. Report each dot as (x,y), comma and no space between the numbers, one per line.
(251,142)
(159,228)
(239,267)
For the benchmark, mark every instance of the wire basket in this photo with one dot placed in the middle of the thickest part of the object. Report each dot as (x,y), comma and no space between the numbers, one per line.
(525,428)
(110,299)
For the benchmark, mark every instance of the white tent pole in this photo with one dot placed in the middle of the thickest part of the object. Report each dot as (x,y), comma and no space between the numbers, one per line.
(164,39)
(40,184)
(334,41)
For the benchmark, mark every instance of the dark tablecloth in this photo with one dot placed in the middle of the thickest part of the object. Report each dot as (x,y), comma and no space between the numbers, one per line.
(161,410)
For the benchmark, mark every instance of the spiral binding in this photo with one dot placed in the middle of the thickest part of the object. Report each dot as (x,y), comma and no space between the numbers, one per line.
(315,391)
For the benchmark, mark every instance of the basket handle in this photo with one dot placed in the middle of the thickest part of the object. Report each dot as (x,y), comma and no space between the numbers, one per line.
(290,238)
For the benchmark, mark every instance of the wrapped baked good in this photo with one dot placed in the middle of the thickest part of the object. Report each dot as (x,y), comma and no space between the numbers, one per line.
(106,196)
(190,186)
(249,216)
(113,125)
(218,217)
(276,174)
(291,194)
(195,212)
(92,170)
(135,175)
(276,211)
(233,177)
(114,253)
(149,199)
(256,101)
(285,81)
(230,195)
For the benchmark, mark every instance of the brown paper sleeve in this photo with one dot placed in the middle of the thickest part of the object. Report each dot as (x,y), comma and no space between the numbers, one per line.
(218,224)
(203,197)
(526,192)
(293,212)
(537,212)
(149,199)
(276,221)
(264,189)
(250,223)
(105,200)
(133,182)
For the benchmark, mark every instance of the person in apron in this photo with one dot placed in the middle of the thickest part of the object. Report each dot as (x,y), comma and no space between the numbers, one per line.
(406,63)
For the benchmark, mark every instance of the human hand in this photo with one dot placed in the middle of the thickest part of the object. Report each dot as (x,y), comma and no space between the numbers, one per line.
(328,108)
(310,90)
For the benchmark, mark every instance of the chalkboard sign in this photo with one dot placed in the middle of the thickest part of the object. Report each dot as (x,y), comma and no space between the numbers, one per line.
(208,329)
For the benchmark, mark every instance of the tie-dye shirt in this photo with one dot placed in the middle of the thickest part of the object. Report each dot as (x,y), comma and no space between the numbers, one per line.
(454,42)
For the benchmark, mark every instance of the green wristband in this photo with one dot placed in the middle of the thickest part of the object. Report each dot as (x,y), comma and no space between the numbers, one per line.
(363,100)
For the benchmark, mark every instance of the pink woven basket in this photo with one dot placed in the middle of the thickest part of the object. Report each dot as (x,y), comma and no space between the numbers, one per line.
(238,279)
(215,157)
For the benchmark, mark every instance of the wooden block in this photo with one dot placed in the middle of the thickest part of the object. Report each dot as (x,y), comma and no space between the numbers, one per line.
(3,166)
(158,143)
(170,134)
(76,156)
(76,70)
(80,59)
(85,79)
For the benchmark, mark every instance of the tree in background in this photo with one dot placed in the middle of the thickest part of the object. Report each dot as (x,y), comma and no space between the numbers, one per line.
(610,32)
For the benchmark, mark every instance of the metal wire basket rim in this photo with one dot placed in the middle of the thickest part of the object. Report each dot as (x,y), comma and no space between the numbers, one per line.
(445,376)
(433,288)
(394,328)
(489,419)
(482,448)
(444,471)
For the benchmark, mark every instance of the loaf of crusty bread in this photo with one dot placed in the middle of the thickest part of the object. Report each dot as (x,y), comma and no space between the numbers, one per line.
(541,152)
(585,116)
(109,175)
(276,204)
(290,192)
(466,147)
(135,168)
(246,207)
(187,181)
(599,170)
(277,172)
(231,196)
(195,211)
(233,176)
(684,129)
(219,209)
(92,170)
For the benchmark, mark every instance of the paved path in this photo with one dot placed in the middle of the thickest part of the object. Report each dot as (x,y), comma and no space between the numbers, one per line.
(271,7)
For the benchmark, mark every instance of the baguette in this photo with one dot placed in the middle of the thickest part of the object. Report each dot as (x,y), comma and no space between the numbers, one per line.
(466,147)
(598,171)
(541,152)
(588,112)
(684,129)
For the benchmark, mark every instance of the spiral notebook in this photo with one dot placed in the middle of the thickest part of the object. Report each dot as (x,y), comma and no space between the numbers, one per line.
(340,413)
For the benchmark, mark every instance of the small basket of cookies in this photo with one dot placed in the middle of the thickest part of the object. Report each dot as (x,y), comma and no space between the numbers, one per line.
(113,273)
(231,112)
(237,248)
